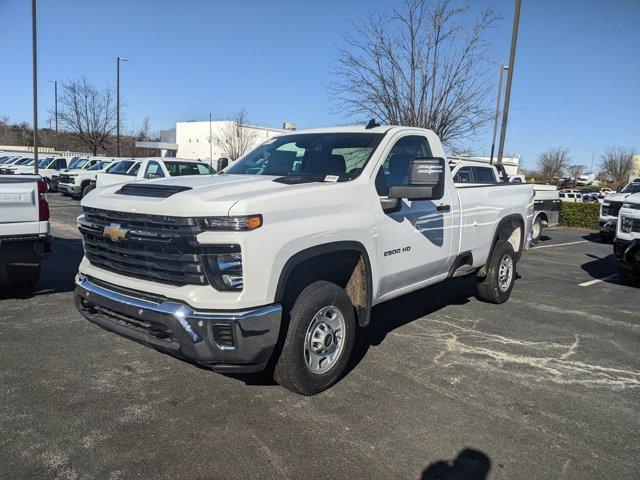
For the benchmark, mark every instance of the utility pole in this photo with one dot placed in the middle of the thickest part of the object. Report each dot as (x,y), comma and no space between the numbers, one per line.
(507,94)
(34,45)
(593,154)
(55,90)
(495,118)
(210,144)
(118,60)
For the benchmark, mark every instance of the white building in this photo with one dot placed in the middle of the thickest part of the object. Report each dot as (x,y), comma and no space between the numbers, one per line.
(510,164)
(199,139)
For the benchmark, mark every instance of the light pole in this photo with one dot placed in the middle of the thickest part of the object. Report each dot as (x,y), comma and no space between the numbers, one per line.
(495,118)
(210,145)
(34,44)
(507,93)
(55,90)
(118,60)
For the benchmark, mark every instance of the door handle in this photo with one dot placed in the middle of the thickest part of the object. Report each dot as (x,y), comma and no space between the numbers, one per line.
(443,208)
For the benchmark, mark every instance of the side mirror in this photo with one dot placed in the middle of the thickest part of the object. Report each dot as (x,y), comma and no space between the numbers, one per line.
(154,175)
(426,180)
(223,162)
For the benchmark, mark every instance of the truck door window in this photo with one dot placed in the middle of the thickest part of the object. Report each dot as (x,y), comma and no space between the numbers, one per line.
(153,168)
(134,170)
(463,175)
(483,175)
(396,166)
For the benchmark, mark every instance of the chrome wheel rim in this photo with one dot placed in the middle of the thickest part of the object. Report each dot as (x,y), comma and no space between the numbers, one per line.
(505,273)
(536,229)
(324,341)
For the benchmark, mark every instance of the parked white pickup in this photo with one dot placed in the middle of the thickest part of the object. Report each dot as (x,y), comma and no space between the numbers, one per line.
(290,247)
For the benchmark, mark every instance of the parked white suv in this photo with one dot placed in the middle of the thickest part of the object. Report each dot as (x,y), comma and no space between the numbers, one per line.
(285,252)
(610,209)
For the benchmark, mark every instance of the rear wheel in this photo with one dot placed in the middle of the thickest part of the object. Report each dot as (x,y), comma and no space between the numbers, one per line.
(319,340)
(23,276)
(496,285)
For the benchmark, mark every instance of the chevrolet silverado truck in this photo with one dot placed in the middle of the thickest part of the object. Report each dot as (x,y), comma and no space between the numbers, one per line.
(610,209)
(276,261)
(626,245)
(76,183)
(24,228)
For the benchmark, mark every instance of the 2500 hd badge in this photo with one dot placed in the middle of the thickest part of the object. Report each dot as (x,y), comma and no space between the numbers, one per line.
(397,250)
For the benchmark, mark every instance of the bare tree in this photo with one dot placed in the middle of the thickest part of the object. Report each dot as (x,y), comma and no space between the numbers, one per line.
(617,162)
(576,170)
(4,125)
(234,138)
(87,113)
(420,65)
(553,163)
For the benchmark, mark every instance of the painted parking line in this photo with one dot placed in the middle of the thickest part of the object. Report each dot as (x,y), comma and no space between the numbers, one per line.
(597,280)
(560,244)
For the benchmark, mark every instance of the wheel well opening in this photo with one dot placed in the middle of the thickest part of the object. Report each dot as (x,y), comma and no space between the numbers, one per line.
(346,268)
(543,218)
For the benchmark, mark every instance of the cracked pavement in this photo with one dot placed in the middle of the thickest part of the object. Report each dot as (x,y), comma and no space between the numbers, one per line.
(544,386)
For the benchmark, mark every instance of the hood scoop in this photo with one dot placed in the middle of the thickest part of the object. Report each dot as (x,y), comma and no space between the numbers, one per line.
(151,190)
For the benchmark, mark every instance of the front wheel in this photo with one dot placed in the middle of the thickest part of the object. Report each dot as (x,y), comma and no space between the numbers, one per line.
(496,285)
(319,340)
(536,230)
(85,190)
(627,276)
(23,276)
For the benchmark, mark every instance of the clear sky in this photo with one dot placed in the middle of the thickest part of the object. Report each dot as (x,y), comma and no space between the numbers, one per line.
(576,84)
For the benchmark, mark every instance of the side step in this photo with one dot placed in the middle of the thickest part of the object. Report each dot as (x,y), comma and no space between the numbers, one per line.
(462,265)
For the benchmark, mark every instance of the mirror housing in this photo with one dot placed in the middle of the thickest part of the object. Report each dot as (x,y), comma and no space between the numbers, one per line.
(222,163)
(426,180)
(154,175)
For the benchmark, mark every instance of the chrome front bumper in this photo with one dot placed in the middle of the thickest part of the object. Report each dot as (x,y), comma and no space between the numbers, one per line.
(229,341)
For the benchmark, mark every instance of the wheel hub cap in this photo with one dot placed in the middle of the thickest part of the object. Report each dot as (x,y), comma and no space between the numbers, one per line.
(505,273)
(323,343)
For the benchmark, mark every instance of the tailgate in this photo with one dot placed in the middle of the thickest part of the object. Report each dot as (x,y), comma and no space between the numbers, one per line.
(18,200)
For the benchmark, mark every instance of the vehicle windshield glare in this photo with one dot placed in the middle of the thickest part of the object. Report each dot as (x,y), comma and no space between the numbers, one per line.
(632,187)
(180,169)
(79,163)
(99,165)
(310,155)
(120,168)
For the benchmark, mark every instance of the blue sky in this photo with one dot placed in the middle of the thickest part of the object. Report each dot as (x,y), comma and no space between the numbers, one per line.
(576,84)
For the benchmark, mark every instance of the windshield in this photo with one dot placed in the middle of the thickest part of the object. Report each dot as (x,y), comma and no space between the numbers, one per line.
(632,187)
(43,163)
(311,155)
(24,161)
(78,163)
(120,168)
(100,165)
(179,169)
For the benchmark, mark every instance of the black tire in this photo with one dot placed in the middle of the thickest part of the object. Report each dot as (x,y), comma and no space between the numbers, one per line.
(85,190)
(488,287)
(627,276)
(23,276)
(291,369)
(536,230)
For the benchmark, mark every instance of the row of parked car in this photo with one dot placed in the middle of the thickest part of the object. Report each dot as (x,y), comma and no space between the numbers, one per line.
(77,176)
(585,196)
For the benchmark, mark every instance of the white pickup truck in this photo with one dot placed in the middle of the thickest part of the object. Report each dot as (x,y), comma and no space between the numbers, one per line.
(610,208)
(127,171)
(626,245)
(24,228)
(77,183)
(278,258)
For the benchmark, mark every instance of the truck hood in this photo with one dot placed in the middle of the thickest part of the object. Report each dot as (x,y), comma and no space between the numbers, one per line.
(633,198)
(208,195)
(616,197)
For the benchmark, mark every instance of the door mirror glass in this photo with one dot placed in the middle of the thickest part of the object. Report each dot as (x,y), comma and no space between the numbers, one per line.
(223,163)
(426,180)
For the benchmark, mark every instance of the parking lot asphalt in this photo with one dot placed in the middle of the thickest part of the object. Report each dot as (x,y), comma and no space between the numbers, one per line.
(544,386)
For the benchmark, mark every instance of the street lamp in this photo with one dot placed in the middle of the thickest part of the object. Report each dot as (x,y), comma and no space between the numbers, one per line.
(34,46)
(118,60)
(55,90)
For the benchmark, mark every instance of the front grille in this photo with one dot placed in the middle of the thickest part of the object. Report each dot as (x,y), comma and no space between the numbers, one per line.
(636,225)
(612,209)
(66,179)
(156,248)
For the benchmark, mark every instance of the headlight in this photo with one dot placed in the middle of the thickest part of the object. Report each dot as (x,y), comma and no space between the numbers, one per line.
(236,223)
(626,225)
(224,267)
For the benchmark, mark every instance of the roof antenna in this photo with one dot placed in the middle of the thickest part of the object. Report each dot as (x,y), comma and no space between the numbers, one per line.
(372,124)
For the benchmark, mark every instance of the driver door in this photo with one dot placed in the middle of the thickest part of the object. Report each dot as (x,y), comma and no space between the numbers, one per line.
(414,243)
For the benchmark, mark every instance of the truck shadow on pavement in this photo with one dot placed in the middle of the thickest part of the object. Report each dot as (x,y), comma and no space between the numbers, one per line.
(469,464)
(57,274)
(602,268)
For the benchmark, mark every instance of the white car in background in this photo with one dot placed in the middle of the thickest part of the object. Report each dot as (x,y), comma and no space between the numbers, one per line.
(8,166)
(570,196)
(128,171)
(78,182)
(47,167)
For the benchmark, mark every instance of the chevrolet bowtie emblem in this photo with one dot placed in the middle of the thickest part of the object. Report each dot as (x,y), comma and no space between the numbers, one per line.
(115,232)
